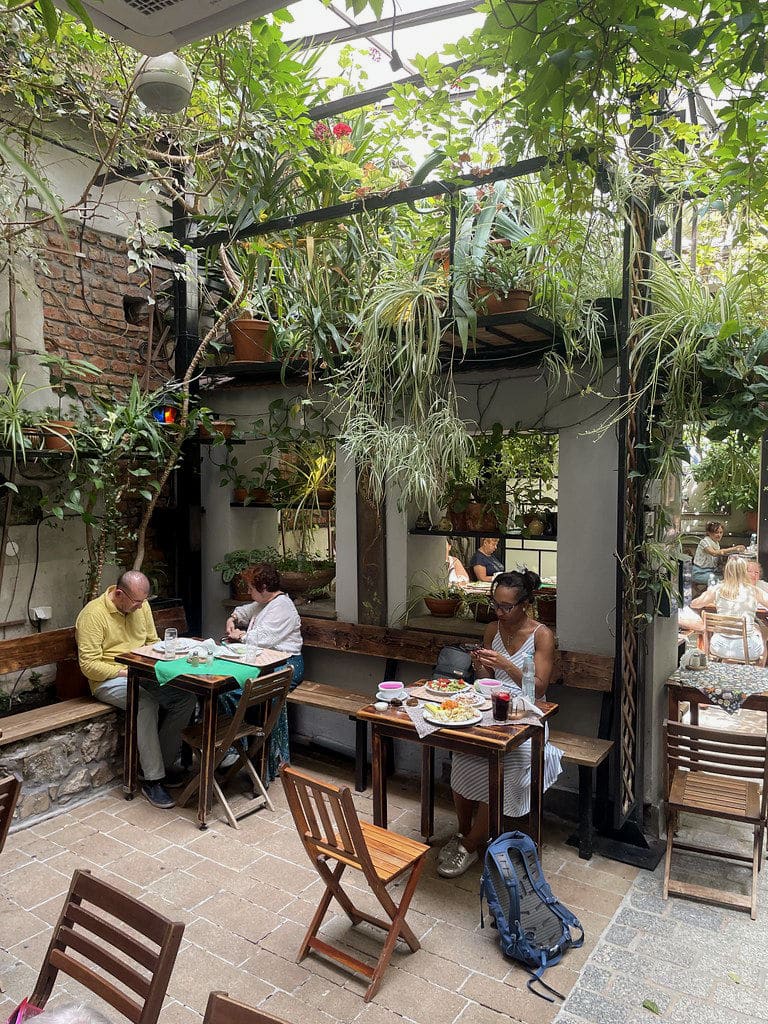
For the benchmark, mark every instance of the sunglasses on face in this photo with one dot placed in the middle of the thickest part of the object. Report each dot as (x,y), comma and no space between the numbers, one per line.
(503,607)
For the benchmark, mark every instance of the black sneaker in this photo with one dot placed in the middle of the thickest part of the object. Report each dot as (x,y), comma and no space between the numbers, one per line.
(175,778)
(157,795)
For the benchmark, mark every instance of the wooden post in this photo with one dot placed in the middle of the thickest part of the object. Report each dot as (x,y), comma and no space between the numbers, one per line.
(371,555)
(762,507)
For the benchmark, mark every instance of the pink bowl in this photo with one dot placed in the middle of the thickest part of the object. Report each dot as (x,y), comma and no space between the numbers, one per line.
(391,685)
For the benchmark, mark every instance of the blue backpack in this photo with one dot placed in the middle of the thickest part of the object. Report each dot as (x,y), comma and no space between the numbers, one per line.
(534,927)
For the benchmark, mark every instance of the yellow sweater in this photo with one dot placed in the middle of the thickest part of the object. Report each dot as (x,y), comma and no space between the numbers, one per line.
(103,632)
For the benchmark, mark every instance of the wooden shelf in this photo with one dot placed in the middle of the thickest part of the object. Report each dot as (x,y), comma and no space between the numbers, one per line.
(478,533)
(281,508)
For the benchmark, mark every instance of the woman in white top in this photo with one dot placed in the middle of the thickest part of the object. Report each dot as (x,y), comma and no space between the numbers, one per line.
(506,643)
(270,620)
(737,595)
(708,551)
(456,572)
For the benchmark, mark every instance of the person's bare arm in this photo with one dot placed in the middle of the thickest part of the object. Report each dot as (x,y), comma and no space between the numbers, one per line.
(543,658)
(705,600)
(481,573)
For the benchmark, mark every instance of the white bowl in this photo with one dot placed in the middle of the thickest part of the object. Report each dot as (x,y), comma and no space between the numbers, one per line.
(487,687)
(391,686)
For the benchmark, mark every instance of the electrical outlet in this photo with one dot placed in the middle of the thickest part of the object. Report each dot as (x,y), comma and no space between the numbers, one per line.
(12,549)
(42,613)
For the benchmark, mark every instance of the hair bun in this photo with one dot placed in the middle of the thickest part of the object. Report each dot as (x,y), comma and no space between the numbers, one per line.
(531,578)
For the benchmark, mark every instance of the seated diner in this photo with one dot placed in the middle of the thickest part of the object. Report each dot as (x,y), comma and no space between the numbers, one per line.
(269,620)
(738,596)
(705,561)
(483,564)
(506,643)
(456,572)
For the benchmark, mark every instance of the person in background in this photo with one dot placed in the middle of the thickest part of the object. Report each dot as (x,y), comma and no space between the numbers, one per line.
(115,623)
(456,572)
(71,1013)
(708,551)
(737,595)
(270,620)
(483,563)
(506,643)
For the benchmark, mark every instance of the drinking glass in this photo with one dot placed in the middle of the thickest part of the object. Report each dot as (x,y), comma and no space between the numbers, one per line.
(170,638)
(500,703)
(251,653)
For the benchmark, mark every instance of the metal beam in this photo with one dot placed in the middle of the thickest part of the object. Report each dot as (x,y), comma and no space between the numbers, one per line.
(385,25)
(383,201)
(367,98)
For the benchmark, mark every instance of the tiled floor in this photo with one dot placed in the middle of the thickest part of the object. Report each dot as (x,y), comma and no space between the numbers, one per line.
(246,898)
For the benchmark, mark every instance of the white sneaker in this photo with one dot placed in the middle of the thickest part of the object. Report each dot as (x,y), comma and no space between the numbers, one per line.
(229,759)
(458,863)
(449,850)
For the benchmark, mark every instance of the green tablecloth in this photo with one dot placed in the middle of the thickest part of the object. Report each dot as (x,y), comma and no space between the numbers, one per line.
(166,671)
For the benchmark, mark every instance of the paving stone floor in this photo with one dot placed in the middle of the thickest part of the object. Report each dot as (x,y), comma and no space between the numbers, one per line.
(246,898)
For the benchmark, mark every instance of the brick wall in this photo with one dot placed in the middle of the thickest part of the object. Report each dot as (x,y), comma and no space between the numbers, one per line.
(84,314)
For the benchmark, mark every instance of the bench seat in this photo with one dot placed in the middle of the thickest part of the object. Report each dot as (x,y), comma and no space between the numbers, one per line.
(28,724)
(332,698)
(587,753)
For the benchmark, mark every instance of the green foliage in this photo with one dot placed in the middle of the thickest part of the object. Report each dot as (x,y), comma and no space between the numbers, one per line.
(235,562)
(729,472)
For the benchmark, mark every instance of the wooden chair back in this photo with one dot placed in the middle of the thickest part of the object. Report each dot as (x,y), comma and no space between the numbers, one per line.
(326,820)
(96,918)
(735,755)
(223,1010)
(10,787)
(267,692)
(725,625)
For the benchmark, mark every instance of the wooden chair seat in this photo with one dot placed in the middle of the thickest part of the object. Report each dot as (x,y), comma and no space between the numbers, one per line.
(98,918)
(330,830)
(721,775)
(733,799)
(734,626)
(194,734)
(223,1010)
(10,787)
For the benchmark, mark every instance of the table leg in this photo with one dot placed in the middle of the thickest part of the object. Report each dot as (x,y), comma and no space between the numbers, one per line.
(537,786)
(427,791)
(673,704)
(131,753)
(210,711)
(495,793)
(378,778)
(694,712)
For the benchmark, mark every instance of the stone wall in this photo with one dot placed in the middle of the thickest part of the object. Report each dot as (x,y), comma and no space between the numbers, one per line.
(62,765)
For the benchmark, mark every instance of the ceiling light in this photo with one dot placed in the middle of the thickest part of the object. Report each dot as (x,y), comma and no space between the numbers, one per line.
(157,26)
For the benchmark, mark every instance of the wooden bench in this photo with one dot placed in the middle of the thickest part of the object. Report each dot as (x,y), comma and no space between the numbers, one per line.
(58,647)
(588,754)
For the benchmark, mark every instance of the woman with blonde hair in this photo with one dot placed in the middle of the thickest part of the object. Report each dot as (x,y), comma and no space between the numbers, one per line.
(737,595)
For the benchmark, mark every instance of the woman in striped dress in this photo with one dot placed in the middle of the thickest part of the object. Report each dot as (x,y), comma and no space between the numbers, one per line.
(506,643)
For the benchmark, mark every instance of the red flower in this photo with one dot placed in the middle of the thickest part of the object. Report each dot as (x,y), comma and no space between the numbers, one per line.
(341,130)
(321,131)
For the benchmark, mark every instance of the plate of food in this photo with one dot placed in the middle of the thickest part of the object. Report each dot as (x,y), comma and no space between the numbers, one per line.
(234,650)
(446,686)
(451,714)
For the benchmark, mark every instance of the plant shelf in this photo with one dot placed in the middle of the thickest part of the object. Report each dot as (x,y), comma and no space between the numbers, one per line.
(477,533)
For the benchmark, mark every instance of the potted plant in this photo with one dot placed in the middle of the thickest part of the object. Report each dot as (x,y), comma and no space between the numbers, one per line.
(214,428)
(251,336)
(20,428)
(232,567)
(66,378)
(502,279)
(442,598)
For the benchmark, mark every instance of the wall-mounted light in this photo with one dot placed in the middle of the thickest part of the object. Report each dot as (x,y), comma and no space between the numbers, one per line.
(163,83)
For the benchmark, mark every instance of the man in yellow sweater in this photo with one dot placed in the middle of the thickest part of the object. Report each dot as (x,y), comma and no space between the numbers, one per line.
(119,621)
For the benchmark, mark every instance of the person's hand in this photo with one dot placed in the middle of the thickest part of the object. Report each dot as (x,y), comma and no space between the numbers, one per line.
(233,633)
(123,673)
(740,547)
(490,659)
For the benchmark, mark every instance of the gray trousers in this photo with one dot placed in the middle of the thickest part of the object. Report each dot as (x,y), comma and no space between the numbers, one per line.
(158,749)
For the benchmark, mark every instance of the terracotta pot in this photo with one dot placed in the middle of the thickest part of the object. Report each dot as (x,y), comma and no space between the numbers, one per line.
(534,525)
(298,583)
(58,434)
(250,340)
(259,495)
(239,494)
(33,438)
(442,607)
(458,520)
(495,518)
(238,588)
(325,497)
(750,518)
(515,301)
(223,427)
(473,516)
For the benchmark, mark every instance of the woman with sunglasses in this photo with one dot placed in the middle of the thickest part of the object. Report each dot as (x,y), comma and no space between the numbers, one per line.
(506,643)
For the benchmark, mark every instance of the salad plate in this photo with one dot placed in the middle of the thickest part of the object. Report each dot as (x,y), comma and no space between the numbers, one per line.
(183,645)
(451,718)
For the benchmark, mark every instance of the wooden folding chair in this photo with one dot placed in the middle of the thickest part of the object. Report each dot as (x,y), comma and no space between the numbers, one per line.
(97,918)
(730,626)
(330,830)
(721,775)
(223,1010)
(10,787)
(248,731)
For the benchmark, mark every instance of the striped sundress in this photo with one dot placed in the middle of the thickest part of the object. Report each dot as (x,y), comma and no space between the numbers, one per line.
(469,773)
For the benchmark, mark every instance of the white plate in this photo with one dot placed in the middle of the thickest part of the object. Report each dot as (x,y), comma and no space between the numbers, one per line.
(387,696)
(452,725)
(447,694)
(183,645)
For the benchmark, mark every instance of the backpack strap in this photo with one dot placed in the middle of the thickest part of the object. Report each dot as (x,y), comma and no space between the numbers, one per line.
(535,978)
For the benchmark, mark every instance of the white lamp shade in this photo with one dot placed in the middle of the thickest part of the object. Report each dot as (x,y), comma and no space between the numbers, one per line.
(163,83)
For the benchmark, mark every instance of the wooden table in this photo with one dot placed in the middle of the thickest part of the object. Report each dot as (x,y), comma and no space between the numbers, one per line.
(489,742)
(683,686)
(141,672)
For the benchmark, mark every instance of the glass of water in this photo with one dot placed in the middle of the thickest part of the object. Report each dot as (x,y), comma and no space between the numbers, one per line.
(251,653)
(170,638)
